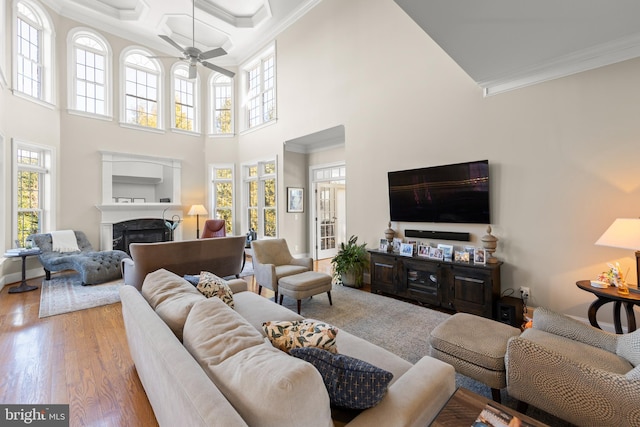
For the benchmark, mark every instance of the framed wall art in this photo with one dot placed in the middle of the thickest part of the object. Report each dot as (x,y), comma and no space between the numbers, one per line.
(295,199)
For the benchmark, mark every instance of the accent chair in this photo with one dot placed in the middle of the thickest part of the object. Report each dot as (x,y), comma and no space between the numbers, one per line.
(213,228)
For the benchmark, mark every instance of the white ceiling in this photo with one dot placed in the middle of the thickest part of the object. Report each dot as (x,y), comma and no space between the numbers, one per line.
(241,27)
(506,44)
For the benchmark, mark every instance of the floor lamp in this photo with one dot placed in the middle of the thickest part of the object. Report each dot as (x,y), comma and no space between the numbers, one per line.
(624,233)
(197,210)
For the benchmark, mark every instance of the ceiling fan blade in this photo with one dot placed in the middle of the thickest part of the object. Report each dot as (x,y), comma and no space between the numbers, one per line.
(218,69)
(193,73)
(172,43)
(213,53)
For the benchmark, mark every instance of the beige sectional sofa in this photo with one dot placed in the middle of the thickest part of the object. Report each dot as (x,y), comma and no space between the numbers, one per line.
(203,363)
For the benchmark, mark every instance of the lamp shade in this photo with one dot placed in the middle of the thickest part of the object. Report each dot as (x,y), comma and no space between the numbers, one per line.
(623,233)
(197,210)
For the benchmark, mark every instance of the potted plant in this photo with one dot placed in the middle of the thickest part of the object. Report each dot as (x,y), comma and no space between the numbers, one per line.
(350,263)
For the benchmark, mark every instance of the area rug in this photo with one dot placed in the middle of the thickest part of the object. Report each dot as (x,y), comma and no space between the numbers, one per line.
(65,293)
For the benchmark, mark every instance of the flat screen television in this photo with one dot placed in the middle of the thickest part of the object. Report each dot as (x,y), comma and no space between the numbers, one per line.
(457,193)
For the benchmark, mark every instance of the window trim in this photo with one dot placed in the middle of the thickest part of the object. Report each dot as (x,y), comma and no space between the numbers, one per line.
(48,193)
(243,113)
(196,100)
(72,108)
(212,102)
(47,41)
(123,87)
(212,191)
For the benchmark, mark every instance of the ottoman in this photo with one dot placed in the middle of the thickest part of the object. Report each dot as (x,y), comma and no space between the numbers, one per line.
(475,346)
(303,285)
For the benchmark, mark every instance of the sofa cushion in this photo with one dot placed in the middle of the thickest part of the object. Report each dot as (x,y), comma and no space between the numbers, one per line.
(286,335)
(351,383)
(171,297)
(257,310)
(211,285)
(257,379)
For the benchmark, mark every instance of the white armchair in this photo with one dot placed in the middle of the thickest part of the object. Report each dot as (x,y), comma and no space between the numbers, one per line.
(272,261)
(574,371)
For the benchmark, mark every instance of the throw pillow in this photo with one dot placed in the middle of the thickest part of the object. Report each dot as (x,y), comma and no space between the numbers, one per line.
(351,383)
(286,335)
(192,278)
(211,285)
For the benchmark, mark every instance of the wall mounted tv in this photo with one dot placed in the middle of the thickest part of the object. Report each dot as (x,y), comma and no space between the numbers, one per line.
(457,193)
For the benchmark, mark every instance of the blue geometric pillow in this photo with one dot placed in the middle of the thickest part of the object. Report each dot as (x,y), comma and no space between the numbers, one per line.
(193,279)
(351,383)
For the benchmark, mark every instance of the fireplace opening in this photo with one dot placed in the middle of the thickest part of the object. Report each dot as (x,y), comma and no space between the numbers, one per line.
(143,230)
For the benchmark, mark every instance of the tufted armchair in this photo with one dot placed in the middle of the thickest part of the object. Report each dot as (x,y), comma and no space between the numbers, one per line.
(574,371)
(272,261)
(94,266)
(214,228)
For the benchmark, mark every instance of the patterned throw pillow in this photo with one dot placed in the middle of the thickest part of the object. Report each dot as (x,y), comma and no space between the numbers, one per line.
(351,383)
(286,335)
(211,285)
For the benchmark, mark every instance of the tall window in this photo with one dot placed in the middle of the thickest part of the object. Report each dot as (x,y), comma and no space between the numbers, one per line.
(34,50)
(260,82)
(184,99)
(221,96)
(142,76)
(260,187)
(89,73)
(32,189)
(223,194)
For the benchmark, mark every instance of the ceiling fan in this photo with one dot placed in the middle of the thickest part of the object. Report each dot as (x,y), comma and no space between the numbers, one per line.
(195,55)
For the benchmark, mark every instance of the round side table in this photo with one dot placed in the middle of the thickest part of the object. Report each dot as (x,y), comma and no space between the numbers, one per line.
(23,285)
(610,294)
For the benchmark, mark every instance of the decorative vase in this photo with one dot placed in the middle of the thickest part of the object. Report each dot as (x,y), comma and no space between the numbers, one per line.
(389,234)
(349,279)
(490,243)
(623,289)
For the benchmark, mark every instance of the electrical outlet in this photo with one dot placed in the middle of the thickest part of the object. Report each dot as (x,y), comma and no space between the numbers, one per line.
(525,292)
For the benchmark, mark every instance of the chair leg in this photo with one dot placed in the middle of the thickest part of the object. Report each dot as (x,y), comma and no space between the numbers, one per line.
(259,289)
(47,274)
(276,298)
(329,295)
(281,296)
(495,394)
(298,306)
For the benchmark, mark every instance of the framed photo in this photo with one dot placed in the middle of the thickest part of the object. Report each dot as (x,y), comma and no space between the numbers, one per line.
(139,200)
(406,249)
(423,250)
(436,253)
(396,244)
(447,251)
(471,250)
(414,243)
(383,245)
(462,256)
(295,199)
(123,199)
(479,256)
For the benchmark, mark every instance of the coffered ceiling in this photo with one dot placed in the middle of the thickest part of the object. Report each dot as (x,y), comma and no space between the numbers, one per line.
(241,27)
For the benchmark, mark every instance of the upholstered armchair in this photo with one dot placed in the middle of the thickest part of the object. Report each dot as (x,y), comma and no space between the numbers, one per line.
(574,371)
(272,261)
(214,228)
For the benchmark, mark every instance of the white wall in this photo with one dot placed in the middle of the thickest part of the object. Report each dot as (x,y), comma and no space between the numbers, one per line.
(563,154)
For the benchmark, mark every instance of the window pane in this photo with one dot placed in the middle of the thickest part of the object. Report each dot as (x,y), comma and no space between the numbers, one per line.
(270,222)
(270,193)
(224,173)
(224,194)
(253,193)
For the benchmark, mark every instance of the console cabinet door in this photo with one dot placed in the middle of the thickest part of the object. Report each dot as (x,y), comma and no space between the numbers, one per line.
(384,273)
(423,281)
(471,291)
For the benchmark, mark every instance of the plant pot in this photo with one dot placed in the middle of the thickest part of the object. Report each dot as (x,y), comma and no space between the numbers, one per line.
(350,279)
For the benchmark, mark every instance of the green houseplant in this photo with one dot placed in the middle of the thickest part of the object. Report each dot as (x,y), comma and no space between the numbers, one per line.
(350,263)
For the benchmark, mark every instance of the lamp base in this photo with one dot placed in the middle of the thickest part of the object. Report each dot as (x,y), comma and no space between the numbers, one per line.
(638,269)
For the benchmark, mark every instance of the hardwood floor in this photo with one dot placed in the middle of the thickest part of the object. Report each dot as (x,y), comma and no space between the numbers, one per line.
(80,359)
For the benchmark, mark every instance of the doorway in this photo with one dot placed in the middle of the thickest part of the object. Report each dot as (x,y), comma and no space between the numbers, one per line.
(329,209)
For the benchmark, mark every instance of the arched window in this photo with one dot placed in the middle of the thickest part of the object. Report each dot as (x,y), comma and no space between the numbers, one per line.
(221,98)
(89,73)
(185,99)
(141,78)
(33,65)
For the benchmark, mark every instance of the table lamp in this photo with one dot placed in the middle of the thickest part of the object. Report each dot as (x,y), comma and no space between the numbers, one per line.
(624,233)
(197,210)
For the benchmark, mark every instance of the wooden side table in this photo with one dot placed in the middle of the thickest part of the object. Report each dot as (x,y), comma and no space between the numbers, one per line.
(24,255)
(610,294)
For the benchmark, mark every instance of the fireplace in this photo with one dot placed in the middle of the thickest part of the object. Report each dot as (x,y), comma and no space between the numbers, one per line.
(142,230)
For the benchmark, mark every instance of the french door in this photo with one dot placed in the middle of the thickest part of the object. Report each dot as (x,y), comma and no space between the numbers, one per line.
(330,227)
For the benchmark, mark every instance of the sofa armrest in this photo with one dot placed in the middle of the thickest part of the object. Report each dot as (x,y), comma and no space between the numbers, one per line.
(565,326)
(414,399)
(304,262)
(265,275)
(129,274)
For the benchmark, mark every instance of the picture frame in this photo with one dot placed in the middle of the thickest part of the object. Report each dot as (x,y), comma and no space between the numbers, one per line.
(396,244)
(447,251)
(123,199)
(462,256)
(406,249)
(423,250)
(471,250)
(139,200)
(295,199)
(480,256)
(383,245)
(436,253)
(414,243)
